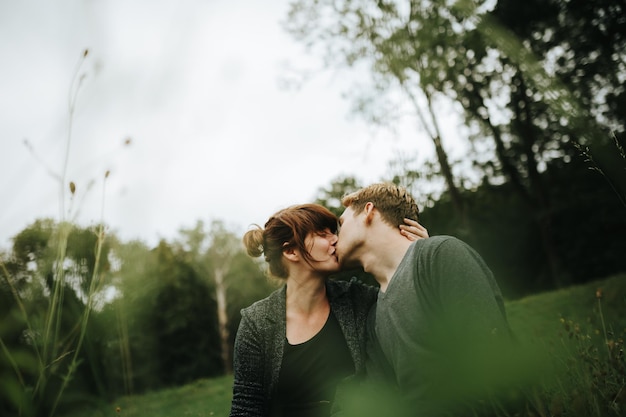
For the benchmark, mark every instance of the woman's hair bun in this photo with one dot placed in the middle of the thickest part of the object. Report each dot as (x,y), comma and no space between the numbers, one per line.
(253,241)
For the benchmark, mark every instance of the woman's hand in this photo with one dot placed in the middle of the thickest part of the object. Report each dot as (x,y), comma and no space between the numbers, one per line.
(412,230)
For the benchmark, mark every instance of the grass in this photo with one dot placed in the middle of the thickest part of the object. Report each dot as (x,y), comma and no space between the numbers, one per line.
(579,332)
(539,316)
(202,398)
(566,319)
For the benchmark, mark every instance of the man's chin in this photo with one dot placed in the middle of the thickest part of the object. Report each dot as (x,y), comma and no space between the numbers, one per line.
(348,264)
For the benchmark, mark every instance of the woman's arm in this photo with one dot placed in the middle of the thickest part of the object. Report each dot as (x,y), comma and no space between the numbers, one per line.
(248,368)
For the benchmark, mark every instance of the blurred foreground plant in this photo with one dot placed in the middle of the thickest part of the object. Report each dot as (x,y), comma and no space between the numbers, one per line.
(43,333)
(590,378)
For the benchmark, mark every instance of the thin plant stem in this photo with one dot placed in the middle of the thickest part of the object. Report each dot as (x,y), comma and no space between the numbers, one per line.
(619,146)
(88,307)
(124,349)
(40,359)
(55,310)
(584,150)
(20,305)
(16,368)
(606,340)
(619,392)
(73,95)
(56,303)
(83,330)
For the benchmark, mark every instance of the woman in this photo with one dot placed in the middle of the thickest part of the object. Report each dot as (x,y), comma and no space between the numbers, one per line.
(293,347)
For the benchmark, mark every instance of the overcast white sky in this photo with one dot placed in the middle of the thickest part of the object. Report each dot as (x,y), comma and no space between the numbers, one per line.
(196,86)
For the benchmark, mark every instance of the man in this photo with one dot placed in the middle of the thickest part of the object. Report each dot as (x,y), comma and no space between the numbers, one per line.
(437,325)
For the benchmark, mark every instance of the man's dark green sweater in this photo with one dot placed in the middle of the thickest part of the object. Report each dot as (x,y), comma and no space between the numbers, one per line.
(433,330)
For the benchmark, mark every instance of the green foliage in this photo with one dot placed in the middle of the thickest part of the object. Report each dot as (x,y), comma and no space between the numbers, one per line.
(141,319)
(580,331)
(331,197)
(186,334)
(163,329)
(247,283)
(49,294)
(167,309)
(128,319)
(588,228)
(214,253)
(587,66)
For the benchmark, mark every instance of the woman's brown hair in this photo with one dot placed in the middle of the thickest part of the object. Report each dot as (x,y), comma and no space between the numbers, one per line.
(287,229)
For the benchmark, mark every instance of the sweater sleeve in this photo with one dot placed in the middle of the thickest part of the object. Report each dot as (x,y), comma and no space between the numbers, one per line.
(468,294)
(470,331)
(248,367)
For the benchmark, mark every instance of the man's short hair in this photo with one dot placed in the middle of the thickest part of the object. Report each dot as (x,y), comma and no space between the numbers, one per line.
(393,202)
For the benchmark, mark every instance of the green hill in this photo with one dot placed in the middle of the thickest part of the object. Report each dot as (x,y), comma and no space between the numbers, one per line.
(580,330)
(202,398)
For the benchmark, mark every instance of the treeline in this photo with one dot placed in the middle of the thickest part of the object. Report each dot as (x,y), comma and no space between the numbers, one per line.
(587,228)
(87,317)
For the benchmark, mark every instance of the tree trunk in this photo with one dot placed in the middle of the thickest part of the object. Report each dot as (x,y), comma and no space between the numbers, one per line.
(446,170)
(542,206)
(222,317)
(433,131)
(127,365)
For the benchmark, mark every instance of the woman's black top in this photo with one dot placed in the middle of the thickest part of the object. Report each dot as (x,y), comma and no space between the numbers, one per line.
(310,372)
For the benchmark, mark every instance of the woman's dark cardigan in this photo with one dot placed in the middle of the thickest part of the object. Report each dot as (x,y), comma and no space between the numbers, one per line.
(260,340)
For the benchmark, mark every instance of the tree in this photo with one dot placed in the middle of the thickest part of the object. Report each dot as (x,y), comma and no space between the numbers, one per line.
(552,94)
(382,35)
(516,83)
(331,197)
(184,322)
(127,319)
(224,247)
(54,275)
(247,283)
(589,108)
(212,252)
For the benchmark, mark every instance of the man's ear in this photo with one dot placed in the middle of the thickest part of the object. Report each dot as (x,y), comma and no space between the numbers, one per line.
(369,212)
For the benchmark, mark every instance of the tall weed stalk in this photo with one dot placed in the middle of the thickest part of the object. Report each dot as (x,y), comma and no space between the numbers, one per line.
(57,354)
(594,166)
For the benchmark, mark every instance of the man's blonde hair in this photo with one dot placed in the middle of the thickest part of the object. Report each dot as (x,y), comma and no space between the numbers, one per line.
(393,202)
